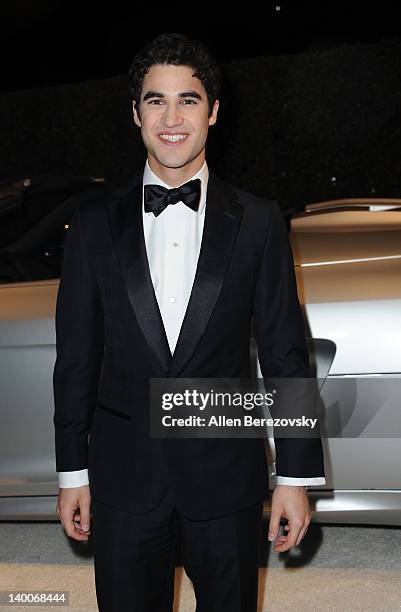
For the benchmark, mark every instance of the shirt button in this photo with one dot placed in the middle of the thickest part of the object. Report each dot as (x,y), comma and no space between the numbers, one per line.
(172,299)
(175,244)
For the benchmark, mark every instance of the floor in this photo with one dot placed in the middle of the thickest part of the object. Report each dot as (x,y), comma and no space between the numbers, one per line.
(338,568)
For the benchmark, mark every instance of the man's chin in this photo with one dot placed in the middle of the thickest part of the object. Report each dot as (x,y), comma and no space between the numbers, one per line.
(172,162)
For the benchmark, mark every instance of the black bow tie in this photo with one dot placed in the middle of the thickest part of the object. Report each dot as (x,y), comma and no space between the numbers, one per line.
(157,198)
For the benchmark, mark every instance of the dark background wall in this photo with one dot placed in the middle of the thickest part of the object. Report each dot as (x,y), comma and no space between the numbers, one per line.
(310,110)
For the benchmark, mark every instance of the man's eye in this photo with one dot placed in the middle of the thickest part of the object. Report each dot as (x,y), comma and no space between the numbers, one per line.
(157,101)
(188,101)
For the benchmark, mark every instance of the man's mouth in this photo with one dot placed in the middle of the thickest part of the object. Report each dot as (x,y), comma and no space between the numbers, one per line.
(173,138)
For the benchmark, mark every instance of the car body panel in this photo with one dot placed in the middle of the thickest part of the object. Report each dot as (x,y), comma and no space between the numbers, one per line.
(27,355)
(347,266)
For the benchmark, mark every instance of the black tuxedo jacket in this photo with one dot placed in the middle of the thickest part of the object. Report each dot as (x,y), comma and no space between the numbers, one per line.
(111,341)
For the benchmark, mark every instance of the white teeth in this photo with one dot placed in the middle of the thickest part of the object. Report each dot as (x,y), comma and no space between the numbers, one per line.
(173,137)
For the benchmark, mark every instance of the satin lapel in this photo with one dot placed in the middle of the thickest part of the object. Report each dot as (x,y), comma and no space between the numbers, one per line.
(125,214)
(222,220)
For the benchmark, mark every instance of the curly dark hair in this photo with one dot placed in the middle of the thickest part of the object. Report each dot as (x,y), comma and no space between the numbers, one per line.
(176,50)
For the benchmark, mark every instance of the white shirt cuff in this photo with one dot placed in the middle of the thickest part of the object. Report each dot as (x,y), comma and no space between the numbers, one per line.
(301,482)
(77,478)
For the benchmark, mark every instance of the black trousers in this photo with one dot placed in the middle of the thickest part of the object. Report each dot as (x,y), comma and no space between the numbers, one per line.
(134,558)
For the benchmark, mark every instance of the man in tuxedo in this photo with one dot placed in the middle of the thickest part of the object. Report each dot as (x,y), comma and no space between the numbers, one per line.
(162,279)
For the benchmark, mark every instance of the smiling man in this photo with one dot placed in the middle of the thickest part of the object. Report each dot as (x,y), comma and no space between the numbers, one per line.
(174,117)
(162,279)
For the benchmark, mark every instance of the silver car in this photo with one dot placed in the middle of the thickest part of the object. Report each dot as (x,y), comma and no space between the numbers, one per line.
(347,257)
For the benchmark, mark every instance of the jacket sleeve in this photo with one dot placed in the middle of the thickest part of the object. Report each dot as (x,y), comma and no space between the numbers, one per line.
(79,351)
(280,336)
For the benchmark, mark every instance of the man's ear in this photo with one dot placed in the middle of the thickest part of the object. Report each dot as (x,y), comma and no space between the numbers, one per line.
(213,116)
(136,115)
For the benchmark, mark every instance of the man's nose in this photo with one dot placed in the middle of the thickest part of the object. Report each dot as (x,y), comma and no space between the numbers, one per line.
(172,116)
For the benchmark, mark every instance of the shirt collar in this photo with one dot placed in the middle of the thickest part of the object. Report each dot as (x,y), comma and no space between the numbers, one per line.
(150,178)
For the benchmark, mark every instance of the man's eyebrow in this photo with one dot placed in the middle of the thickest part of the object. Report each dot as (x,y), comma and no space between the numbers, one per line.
(152,94)
(184,94)
(190,94)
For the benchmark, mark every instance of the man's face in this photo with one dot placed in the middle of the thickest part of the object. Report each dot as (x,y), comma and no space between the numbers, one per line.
(174,119)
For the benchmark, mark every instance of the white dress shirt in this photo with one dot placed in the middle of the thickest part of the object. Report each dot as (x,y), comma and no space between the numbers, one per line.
(173,240)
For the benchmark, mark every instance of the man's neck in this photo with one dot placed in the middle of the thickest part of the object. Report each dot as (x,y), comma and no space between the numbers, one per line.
(174,177)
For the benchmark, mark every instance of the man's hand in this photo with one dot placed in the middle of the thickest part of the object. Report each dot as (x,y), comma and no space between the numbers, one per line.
(73,509)
(292,503)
